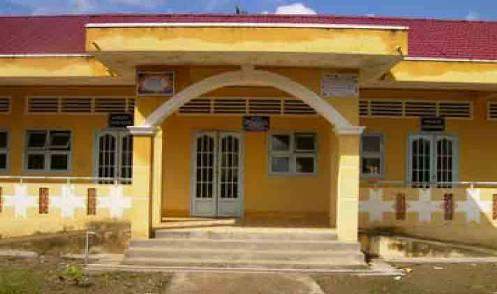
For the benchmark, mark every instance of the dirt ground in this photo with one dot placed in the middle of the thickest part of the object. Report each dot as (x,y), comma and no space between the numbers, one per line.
(51,275)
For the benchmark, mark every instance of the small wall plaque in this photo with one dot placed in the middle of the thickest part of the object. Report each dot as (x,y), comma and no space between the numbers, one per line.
(156,83)
(256,123)
(120,120)
(339,85)
(432,124)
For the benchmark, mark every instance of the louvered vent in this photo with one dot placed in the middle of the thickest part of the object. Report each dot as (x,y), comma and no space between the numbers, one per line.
(76,105)
(4,104)
(415,108)
(99,105)
(385,108)
(110,105)
(43,105)
(231,106)
(264,106)
(492,110)
(247,106)
(455,109)
(196,106)
(297,107)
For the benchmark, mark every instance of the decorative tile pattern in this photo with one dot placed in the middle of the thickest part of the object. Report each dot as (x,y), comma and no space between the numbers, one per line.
(494,207)
(424,206)
(68,202)
(473,206)
(448,206)
(43,201)
(91,205)
(20,201)
(375,206)
(116,202)
(400,206)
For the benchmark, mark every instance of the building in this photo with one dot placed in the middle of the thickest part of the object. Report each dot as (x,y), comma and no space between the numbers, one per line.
(351,122)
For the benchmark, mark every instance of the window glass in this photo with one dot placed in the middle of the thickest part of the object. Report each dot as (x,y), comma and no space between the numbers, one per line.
(36,161)
(304,165)
(60,140)
(3,140)
(48,150)
(371,143)
(3,160)
(280,142)
(59,162)
(304,142)
(293,153)
(280,164)
(372,155)
(37,139)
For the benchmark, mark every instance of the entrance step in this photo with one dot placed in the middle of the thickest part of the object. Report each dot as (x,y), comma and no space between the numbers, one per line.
(242,247)
(221,233)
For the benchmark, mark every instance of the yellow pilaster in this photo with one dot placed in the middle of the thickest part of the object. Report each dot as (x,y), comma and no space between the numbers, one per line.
(141,214)
(347,186)
(157,179)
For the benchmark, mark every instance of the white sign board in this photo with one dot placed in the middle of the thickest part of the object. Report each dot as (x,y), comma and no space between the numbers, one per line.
(339,85)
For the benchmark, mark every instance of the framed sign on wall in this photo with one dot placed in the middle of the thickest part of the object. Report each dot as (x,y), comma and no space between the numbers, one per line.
(339,85)
(155,83)
(256,123)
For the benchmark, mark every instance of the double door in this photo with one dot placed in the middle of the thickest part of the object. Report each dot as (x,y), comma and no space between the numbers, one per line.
(217,174)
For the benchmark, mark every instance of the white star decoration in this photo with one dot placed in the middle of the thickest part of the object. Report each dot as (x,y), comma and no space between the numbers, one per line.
(116,202)
(21,201)
(67,202)
(424,206)
(375,206)
(473,206)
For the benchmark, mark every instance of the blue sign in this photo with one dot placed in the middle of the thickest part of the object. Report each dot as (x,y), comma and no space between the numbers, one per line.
(256,123)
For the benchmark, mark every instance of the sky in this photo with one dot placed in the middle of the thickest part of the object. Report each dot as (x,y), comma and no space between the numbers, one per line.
(455,9)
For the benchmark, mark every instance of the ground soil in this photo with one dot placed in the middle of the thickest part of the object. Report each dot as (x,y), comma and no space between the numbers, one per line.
(423,278)
(48,274)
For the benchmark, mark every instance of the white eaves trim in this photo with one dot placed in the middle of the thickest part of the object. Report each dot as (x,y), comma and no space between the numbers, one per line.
(436,59)
(242,25)
(35,55)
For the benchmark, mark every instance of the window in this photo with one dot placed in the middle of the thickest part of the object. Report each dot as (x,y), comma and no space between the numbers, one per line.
(115,156)
(48,150)
(432,160)
(372,156)
(293,153)
(4,150)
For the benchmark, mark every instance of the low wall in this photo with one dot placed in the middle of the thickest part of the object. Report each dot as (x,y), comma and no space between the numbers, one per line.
(466,215)
(30,208)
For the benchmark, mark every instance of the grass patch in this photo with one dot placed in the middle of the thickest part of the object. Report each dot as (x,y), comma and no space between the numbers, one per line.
(19,281)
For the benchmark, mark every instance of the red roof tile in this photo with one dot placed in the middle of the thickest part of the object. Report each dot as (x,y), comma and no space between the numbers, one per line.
(427,37)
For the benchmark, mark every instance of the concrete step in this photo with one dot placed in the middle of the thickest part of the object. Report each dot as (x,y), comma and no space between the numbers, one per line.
(227,256)
(338,263)
(247,234)
(254,244)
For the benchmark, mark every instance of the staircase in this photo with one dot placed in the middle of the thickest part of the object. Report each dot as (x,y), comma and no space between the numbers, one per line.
(245,248)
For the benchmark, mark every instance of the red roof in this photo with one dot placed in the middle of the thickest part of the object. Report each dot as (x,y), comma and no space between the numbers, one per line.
(427,37)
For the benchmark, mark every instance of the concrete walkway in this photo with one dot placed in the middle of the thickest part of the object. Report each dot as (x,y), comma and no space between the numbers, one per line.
(239,283)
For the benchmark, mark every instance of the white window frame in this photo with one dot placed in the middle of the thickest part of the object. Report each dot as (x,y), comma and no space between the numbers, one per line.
(45,151)
(5,151)
(118,134)
(380,155)
(292,154)
(434,137)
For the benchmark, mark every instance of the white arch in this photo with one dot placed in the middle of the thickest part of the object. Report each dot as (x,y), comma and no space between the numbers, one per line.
(248,77)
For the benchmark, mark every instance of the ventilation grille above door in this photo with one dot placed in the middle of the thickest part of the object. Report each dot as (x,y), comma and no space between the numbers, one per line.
(79,105)
(245,106)
(415,108)
(4,104)
(492,110)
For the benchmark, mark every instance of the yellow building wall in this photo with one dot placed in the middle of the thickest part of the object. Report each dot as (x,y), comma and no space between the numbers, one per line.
(472,222)
(264,195)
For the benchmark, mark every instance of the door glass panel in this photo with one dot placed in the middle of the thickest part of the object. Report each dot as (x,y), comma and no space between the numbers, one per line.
(444,162)
(420,162)
(107,145)
(228,177)
(205,167)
